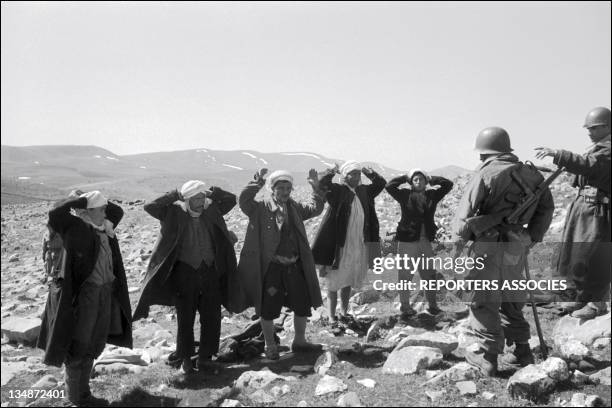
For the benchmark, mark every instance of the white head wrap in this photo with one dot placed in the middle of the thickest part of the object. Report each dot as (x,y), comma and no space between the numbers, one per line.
(95,199)
(279,175)
(192,188)
(349,166)
(414,171)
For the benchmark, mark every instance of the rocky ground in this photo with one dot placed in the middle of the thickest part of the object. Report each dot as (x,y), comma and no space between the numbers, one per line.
(377,361)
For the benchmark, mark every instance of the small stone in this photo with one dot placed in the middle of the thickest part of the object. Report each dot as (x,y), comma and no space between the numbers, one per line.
(601,377)
(412,359)
(46,382)
(14,258)
(530,382)
(578,400)
(555,368)
(257,379)
(580,378)
(231,403)
(466,387)
(487,395)
(325,362)
(21,330)
(445,342)
(302,404)
(435,396)
(329,384)
(594,401)
(573,350)
(261,397)
(367,382)
(349,399)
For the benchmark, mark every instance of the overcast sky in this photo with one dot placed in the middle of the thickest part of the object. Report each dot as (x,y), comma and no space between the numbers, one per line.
(406,85)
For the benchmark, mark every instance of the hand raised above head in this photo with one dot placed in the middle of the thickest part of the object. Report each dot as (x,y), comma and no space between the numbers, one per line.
(313,178)
(367,170)
(260,175)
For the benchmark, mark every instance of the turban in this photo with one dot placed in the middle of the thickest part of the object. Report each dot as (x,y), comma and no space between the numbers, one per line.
(349,166)
(279,175)
(95,199)
(415,171)
(192,188)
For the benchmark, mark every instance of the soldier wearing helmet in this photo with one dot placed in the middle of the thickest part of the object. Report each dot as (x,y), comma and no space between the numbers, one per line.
(585,250)
(496,189)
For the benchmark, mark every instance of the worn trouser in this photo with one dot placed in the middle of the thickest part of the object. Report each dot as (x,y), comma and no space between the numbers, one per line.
(496,314)
(416,249)
(92,324)
(197,290)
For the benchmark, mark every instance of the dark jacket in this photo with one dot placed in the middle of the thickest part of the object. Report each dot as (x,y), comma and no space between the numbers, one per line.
(417,208)
(332,232)
(173,219)
(262,240)
(82,246)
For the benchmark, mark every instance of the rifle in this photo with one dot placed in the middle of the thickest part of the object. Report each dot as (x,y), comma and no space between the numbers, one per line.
(482,223)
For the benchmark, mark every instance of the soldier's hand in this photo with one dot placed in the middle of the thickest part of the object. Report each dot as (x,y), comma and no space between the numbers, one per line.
(336,168)
(542,152)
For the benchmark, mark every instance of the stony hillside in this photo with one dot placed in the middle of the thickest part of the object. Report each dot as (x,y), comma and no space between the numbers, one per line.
(363,365)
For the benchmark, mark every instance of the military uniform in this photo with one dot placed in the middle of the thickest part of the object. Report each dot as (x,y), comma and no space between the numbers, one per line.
(585,251)
(493,314)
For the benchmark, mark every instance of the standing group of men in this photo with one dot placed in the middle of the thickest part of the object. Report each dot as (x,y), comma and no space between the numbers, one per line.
(193,265)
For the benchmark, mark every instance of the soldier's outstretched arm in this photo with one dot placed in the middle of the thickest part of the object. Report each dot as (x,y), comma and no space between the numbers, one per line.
(595,166)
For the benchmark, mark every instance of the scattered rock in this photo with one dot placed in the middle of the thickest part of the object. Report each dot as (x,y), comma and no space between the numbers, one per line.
(14,258)
(412,359)
(367,382)
(118,368)
(584,331)
(9,370)
(329,384)
(231,403)
(594,401)
(445,342)
(302,404)
(325,362)
(257,379)
(349,399)
(435,396)
(21,330)
(555,368)
(277,391)
(46,382)
(573,350)
(530,382)
(580,378)
(459,372)
(466,387)
(601,377)
(261,397)
(487,395)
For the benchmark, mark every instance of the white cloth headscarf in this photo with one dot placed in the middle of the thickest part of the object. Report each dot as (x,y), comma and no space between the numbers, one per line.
(279,175)
(95,199)
(189,190)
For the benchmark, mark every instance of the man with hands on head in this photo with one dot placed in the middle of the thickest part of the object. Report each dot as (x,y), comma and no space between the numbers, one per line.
(348,239)
(88,304)
(276,266)
(585,252)
(192,267)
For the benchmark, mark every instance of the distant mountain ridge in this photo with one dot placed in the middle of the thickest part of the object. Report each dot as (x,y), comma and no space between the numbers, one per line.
(51,171)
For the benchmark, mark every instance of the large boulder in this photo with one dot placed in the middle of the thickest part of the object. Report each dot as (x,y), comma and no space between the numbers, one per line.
(530,382)
(585,332)
(445,342)
(21,330)
(412,359)
(329,384)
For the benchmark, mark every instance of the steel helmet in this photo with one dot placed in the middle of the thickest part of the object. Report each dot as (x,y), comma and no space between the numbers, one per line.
(597,117)
(493,140)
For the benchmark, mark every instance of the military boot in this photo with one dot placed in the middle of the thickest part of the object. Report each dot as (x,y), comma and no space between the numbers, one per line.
(520,357)
(590,311)
(484,361)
